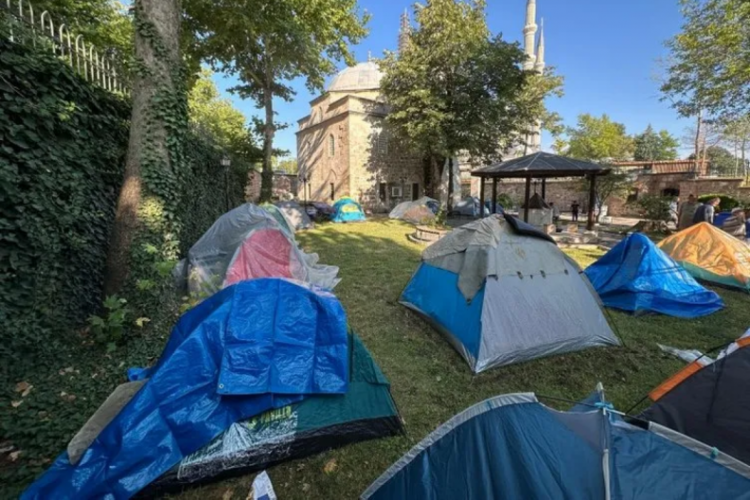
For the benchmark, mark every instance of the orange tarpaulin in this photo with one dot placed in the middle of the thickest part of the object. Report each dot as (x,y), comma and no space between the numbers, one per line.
(710,254)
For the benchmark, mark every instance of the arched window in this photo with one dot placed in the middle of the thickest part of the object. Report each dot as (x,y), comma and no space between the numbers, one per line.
(331,145)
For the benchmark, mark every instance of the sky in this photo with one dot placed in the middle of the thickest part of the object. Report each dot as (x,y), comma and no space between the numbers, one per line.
(608,51)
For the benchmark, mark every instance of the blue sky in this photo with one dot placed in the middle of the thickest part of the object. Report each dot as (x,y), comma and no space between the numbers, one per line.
(607,50)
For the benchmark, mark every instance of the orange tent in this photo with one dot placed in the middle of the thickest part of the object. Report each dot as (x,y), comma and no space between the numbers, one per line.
(710,254)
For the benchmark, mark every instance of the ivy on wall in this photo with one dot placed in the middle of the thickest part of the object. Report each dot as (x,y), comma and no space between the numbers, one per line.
(62,143)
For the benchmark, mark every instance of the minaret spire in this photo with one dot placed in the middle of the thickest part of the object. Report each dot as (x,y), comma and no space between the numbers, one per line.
(404,32)
(529,35)
(539,66)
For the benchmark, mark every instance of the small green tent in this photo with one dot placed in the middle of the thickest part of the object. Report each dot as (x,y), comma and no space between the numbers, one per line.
(316,424)
(277,214)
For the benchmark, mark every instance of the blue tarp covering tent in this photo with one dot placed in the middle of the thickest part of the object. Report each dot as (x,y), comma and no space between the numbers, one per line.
(347,210)
(639,277)
(513,446)
(255,346)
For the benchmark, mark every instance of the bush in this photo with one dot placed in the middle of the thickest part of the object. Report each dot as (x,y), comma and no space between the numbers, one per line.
(655,208)
(727,202)
(62,148)
(505,200)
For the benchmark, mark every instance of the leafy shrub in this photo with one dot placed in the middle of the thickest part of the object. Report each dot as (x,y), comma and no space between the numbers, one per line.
(727,202)
(62,147)
(110,328)
(505,200)
(655,208)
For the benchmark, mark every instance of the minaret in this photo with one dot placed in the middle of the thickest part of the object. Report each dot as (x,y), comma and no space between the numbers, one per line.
(539,66)
(529,34)
(404,32)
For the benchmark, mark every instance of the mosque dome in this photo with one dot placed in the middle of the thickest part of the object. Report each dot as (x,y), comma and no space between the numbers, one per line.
(363,76)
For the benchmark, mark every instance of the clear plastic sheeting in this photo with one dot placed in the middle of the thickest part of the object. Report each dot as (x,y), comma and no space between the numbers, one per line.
(409,210)
(295,215)
(687,355)
(248,243)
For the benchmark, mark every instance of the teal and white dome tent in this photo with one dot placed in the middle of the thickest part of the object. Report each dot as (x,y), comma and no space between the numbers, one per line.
(502,292)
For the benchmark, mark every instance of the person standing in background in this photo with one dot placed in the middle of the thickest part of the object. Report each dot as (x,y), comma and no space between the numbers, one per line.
(574,208)
(705,211)
(685,213)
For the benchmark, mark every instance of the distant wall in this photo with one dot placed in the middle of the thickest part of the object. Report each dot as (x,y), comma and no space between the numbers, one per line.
(285,186)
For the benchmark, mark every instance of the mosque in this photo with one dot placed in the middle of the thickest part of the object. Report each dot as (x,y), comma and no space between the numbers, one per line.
(344,147)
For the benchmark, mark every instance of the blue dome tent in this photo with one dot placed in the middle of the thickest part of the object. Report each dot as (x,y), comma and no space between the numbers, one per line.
(255,346)
(347,210)
(639,277)
(501,292)
(514,447)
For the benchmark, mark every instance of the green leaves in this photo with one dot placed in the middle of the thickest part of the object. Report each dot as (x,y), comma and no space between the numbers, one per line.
(599,139)
(652,146)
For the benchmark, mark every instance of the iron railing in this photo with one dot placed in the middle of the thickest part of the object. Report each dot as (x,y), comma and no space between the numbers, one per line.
(26,25)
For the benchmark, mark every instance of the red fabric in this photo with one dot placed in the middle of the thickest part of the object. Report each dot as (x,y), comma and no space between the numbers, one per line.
(265,254)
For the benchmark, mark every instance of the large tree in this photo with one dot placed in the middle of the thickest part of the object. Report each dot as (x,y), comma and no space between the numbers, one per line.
(268,43)
(720,160)
(599,139)
(709,62)
(655,146)
(455,87)
(158,106)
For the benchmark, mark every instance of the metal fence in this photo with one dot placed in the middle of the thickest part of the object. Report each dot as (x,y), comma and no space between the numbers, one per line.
(28,26)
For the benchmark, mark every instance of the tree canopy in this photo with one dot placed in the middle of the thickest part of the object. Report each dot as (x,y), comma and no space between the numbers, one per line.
(456,87)
(655,146)
(599,139)
(721,161)
(268,44)
(710,59)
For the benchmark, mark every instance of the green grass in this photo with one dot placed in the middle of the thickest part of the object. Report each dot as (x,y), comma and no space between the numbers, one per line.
(430,381)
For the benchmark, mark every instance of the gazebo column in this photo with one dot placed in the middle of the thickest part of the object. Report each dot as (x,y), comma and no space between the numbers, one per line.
(592,203)
(526,200)
(544,189)
(494,195)
(481,197)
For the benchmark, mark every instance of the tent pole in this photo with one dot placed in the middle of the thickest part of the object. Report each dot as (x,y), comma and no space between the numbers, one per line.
(481,197)
(526,200)
(592,202)
(494,195)
(544,189)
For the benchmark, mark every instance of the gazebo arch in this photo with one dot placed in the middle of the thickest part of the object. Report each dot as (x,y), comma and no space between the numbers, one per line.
(540,166)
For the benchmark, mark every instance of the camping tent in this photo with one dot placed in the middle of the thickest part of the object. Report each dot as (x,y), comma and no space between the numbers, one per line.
(416,211)
(316,424)
(280,217)
(295,215)
(709,402)
(513,446)
(347,210)
(710,254)
(259,345)
(502,292)
(636,276)
(248,243)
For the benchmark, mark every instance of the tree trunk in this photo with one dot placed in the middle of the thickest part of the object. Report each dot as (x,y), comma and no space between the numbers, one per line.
(450,184)
(266,182)
(698,141)
(164,15)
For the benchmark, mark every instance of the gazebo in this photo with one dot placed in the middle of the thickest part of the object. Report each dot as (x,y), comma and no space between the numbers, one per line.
(540,166)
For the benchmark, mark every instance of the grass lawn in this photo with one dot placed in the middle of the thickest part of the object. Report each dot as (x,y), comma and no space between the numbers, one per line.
(430,381)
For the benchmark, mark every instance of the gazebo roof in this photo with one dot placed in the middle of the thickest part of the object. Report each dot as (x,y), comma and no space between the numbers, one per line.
(541,165)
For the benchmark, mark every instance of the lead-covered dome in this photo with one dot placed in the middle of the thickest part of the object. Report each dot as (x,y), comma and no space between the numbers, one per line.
(363,76)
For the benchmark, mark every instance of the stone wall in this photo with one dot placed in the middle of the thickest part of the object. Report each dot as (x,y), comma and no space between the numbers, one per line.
(376,162)
(322,153)
(285,186)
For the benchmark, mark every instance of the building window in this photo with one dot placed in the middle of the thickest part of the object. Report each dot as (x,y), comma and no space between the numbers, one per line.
(381,143)
(383,191)
(333,192)
(331,146)
(415,191)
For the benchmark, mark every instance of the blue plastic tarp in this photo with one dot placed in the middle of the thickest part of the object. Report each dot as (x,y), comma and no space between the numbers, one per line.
(347,210)
(639,277)
(255,346)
